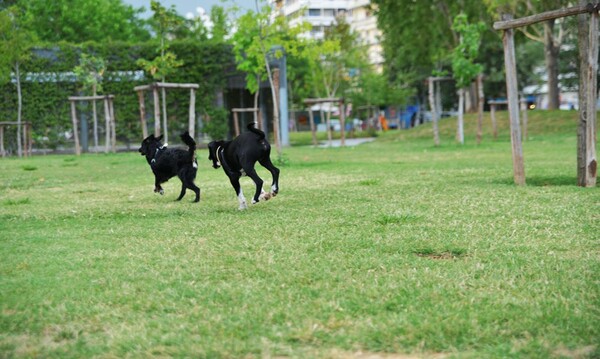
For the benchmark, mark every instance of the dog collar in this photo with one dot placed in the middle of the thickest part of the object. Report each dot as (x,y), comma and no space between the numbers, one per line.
(219,150)
(158,149)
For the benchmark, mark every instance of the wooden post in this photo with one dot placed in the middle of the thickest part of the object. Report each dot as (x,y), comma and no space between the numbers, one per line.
(156,110)
(259,122)
(524,114)
(113,125)
(30,148)
(587,165)
(2,152)
(460,130)
(312,126)
(142,113)
(192,118)
(107,125)
(236,123)
(342,123)
(434,113)
(513,103)
(75,131)
(493,117)
(328,121)
(276,116)
(480,99)
(95,116)
(163,92)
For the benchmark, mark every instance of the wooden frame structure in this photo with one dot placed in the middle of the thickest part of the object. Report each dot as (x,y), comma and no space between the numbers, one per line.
(165,85)
(586,134)
(236,122)
(109,116)
(314,101)
(494,103)
(27,137)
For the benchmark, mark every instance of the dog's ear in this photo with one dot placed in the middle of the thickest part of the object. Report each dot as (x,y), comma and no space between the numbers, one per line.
(159,138)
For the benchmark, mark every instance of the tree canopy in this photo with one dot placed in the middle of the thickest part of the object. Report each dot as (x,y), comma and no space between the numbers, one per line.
(85,20)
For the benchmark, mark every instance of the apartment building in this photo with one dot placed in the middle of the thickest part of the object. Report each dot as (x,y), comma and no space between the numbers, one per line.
(321,14)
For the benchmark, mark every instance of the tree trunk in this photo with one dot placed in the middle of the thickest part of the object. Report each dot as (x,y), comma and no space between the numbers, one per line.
(551,54)
(19,110)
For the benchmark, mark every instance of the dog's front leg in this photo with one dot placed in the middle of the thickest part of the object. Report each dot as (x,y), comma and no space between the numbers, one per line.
(157,187)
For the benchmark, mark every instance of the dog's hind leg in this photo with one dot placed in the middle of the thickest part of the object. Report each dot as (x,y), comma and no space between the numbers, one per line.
(266,163)
(251,172)
(187,181)
(182,193)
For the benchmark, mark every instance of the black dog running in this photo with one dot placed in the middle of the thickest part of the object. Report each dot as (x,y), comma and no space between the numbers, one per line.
(166,163)
(238,158)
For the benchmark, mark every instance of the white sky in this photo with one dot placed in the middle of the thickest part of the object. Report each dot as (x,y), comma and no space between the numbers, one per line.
(189,6)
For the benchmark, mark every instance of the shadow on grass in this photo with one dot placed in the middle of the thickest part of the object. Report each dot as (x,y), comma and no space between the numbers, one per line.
(543,181)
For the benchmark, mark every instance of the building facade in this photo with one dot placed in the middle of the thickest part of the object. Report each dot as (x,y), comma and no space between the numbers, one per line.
(322,14)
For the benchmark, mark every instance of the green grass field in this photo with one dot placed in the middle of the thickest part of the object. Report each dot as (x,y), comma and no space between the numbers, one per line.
(392,249)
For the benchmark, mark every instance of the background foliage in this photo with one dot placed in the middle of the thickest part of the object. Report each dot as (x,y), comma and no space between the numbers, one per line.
(49,81)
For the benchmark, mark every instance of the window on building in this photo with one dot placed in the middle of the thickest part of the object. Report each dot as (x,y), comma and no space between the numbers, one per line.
(329,12)
(314,12)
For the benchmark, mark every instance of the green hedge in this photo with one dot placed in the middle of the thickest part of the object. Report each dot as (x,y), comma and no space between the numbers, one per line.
(45,103)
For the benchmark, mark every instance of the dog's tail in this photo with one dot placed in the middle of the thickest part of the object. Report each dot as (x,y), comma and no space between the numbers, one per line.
(188,140)
(251,128)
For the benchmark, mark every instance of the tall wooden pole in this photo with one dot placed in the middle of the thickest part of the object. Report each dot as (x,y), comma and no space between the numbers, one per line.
(513,103)
(342,123)
(156,110)
(75,131)
(480,99)
(312,126)
(276,108)
(434,112)
(587,164)
(107,124)
(142,113)
(113,125)
(192,119)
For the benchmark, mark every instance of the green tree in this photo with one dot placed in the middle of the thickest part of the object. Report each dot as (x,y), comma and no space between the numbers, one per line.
(464,68)
(90,71)
(15,42)
(412,51)
(551,33)
(84,20)
(257,34)
(165,21)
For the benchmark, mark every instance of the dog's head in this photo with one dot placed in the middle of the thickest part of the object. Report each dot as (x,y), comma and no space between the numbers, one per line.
(150,144)
(212,152)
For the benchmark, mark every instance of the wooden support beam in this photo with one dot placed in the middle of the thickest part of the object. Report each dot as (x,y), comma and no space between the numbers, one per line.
(192,113)
(156,111)
(113,126)
(434,114)
(587,163)
(312,127)
(513,104)
(236,124)
(75,131)
(142,103)
(107,126)
(507,24)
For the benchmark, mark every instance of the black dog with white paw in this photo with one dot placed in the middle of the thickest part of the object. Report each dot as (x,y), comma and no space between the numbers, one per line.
(238,158)
(167,163)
